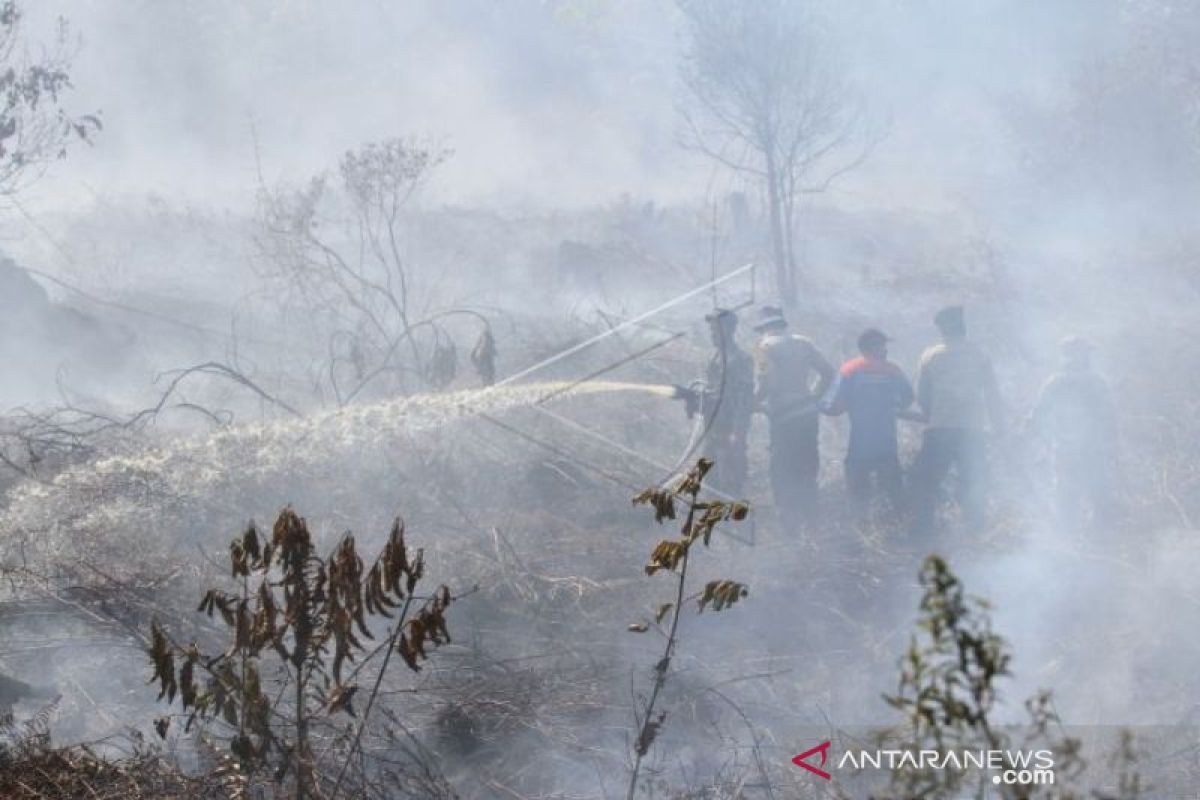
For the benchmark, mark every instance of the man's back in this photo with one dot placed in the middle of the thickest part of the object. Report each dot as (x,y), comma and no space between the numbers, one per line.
(871,391)
(956,386)
(784,367)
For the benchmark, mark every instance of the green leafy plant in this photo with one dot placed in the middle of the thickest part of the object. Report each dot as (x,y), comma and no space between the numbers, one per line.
(700,519)
(296,624)
(947,677)
(948,691)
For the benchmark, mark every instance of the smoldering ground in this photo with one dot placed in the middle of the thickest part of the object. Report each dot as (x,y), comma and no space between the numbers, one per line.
(541,676)
(1036,165)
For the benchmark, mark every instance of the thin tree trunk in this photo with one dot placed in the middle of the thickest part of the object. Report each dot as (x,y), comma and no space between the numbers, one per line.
(787,196)
(788,225)
(779,254)
(303,773)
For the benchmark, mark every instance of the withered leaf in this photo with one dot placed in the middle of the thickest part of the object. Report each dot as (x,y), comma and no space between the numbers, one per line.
(161,726)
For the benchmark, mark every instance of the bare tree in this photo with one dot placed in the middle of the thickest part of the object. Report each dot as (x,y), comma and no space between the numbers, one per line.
(337,250)
(766,98)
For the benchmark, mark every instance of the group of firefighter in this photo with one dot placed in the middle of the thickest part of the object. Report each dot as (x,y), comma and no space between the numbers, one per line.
(955,399)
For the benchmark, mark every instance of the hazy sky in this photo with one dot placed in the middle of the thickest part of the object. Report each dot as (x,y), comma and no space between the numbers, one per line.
(545,102)
(538,101)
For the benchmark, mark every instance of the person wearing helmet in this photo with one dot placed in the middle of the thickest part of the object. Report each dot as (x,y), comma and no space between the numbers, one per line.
(790,377)
(1075,414)
(872,390)
(958,395)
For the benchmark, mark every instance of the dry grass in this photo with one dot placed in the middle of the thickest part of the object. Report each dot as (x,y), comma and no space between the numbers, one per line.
(534,697)
(74,773)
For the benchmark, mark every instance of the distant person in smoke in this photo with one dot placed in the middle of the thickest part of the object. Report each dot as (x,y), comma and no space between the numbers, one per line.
(726,403)
(958,395)
(1076,415)
(873,391)
(790,377)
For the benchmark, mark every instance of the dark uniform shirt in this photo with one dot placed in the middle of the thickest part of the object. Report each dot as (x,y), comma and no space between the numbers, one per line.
(871,391)
(728,400)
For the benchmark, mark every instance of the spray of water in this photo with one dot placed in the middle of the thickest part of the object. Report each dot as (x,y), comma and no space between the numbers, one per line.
(135,498)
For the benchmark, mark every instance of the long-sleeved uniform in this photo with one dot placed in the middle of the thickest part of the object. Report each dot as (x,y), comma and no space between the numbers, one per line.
(871,391)
(726,406)
(956,388)
(790,376)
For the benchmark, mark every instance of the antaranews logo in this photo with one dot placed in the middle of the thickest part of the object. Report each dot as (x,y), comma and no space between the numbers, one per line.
(823,749)
(1011,767)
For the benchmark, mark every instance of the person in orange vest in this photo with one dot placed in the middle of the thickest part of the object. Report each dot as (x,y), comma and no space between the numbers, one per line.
(872,390)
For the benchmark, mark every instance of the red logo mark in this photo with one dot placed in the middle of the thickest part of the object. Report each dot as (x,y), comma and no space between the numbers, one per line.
(823,749)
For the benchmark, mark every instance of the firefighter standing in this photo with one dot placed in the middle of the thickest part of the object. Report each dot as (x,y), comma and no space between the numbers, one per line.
(725,402)
(784,388)
(957,392)
(1075,414)
(872,390)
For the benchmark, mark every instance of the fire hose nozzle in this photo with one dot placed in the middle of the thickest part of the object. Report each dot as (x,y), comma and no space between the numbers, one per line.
(690,397)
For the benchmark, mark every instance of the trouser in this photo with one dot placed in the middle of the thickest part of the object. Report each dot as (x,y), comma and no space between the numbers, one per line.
(962,449)
(1084,480)
(730,465)
(865,476)
(795,462)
